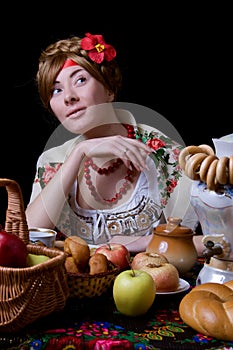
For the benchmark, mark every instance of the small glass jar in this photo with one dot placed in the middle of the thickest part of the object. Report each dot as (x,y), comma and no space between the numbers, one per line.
(175,242)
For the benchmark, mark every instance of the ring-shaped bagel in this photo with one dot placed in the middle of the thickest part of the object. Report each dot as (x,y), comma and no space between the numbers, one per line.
(205,166)
(211,176)
(186,153)
(207,149)
(222,171)
(193,165)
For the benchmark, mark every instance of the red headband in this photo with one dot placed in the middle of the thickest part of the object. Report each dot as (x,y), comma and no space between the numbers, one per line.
(68,63)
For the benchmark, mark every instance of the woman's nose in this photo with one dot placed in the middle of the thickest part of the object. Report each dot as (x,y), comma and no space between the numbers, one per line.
(71,96)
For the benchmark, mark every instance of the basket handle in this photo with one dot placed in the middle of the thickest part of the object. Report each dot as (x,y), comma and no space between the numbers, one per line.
(15,214)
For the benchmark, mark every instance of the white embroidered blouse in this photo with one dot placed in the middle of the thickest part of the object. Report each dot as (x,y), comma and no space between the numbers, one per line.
(159,189)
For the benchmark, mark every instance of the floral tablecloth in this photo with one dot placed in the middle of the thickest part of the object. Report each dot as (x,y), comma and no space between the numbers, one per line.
(96,324)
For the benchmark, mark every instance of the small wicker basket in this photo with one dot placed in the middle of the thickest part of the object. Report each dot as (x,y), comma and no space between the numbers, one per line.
(27,294)
(83,285)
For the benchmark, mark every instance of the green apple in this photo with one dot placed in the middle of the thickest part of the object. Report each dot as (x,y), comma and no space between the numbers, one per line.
(34,259)
(134,292)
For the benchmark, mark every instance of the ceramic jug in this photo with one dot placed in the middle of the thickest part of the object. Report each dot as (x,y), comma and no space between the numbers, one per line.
(175,242)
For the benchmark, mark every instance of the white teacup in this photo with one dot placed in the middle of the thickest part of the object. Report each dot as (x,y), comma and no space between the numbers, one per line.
(45,236)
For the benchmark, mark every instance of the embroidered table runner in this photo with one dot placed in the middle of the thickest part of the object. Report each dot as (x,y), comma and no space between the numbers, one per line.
(96,324)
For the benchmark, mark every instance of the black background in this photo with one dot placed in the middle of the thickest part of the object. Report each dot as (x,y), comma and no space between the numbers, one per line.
(176,60)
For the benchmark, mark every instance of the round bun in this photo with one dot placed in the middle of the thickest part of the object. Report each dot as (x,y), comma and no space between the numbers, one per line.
(77,248)
(165,275)
(208,308)
(70,265)
(98,263)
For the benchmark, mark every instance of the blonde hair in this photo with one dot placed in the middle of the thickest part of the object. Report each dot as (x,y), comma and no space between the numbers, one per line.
(54,56)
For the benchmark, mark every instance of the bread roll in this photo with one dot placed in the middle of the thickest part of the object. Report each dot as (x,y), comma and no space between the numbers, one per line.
(77,248)
(98,263)
(208,308)
(70,265)
(229,284)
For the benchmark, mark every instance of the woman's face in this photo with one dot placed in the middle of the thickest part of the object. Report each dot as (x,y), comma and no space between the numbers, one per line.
(73,92)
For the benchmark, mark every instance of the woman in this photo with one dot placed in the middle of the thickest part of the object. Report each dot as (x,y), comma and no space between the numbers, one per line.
(112,182)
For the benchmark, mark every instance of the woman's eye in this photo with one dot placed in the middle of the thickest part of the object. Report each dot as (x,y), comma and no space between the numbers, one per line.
(55,91)
(81,80)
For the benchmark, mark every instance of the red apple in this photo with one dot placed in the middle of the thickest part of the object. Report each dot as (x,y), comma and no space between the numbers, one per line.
(13,251)
(117,253)
(165,275)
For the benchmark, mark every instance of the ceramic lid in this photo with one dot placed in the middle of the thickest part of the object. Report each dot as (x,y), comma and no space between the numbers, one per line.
(173,228)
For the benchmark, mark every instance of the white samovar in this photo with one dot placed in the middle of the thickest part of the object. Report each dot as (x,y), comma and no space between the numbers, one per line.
(212,199)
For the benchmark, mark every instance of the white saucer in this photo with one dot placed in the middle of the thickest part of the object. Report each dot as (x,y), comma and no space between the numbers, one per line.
(183,286)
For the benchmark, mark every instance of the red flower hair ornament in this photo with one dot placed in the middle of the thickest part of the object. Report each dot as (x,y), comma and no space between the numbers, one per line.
(98,50)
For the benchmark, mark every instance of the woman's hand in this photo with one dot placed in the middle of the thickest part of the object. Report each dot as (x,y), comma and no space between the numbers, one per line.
(129,150)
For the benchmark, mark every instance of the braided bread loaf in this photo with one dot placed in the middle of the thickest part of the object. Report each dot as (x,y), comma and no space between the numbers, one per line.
(201,163)
(208,308)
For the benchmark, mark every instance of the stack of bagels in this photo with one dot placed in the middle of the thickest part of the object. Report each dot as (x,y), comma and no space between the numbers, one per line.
(201,163)
(208,308)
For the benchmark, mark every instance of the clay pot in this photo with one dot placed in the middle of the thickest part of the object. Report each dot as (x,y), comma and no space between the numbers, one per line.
(175,242)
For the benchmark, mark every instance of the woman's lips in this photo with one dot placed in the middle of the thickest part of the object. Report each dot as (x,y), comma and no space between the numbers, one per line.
(76,112)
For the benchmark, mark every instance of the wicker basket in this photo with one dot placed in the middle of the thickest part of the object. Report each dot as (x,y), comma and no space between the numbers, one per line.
(83,285)
(27,294)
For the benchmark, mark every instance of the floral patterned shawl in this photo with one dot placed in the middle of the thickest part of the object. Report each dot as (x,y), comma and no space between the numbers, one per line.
(165,156)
